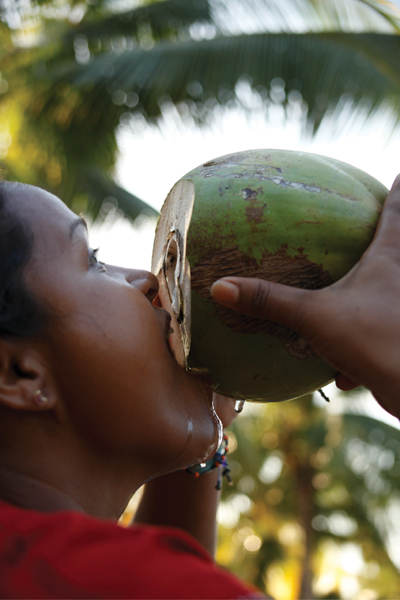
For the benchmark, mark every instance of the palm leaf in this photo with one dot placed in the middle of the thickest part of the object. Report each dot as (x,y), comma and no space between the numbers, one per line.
(387,9)
(362,66)
(79,102)
(97,186)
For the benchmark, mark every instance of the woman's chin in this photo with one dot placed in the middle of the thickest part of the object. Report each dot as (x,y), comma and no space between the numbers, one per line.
(203,440)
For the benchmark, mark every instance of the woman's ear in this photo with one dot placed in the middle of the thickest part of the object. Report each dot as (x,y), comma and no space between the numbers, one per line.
(25,381)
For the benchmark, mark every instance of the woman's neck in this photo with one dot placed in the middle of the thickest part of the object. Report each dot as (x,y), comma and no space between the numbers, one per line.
(27,492)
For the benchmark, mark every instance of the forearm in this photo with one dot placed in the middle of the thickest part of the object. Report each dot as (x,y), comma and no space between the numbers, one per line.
(183,501)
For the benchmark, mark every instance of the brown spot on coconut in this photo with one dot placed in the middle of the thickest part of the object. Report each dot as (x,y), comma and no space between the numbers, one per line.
(279,267)
(259,226)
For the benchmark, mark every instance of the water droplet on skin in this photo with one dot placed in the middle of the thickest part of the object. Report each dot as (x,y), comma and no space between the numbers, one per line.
(239,405)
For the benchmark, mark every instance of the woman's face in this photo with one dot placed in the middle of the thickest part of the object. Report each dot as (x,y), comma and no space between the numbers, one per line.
(119,388)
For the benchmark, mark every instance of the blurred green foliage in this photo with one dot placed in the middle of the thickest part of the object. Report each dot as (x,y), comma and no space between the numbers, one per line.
(74,72)
(313,501)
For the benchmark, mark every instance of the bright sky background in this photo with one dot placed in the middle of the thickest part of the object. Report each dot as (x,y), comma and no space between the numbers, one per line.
(153,158)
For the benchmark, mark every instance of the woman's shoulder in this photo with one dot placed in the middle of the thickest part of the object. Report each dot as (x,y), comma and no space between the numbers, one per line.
(71,555)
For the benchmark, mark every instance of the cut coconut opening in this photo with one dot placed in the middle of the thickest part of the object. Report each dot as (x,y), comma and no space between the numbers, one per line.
(171,267)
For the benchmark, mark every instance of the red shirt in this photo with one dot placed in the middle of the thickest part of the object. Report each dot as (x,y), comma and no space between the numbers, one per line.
(71,555)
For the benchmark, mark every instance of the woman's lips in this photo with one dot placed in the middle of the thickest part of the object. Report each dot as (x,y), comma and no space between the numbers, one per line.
(164,320)
(172,334)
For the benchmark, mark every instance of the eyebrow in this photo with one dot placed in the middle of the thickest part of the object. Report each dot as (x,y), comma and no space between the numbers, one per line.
(75,224)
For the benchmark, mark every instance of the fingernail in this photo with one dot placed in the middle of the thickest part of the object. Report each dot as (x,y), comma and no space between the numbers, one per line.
(225,291)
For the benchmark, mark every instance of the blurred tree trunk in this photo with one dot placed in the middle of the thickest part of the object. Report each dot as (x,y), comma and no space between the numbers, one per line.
(306,492)
(295,508)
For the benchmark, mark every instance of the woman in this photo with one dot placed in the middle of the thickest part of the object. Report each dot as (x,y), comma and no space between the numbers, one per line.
(92,405)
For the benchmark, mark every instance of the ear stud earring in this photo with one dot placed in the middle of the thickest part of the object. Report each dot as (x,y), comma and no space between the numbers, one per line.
(39,399)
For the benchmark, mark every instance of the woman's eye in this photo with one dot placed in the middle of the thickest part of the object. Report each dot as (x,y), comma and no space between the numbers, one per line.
(93,260)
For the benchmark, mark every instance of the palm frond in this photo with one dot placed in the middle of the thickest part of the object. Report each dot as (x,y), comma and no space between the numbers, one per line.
(186,53)
(100,188)
(387,9)
(321,67)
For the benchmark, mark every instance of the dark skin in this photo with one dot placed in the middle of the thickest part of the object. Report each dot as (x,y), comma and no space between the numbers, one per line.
(119,409)
(183,501)
(353,324)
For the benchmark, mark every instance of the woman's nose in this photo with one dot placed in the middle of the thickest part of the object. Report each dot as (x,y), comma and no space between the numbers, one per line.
(144,281)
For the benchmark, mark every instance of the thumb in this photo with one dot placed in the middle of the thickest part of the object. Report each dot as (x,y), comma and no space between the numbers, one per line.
(263,299)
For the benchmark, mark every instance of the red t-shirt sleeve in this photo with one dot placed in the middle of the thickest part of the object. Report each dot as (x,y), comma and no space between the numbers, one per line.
(69,555)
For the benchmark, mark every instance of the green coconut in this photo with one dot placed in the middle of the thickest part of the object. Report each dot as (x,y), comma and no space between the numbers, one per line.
(295,218)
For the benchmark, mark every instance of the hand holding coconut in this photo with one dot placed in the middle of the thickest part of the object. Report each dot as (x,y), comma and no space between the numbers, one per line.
(291,218)
(353,324)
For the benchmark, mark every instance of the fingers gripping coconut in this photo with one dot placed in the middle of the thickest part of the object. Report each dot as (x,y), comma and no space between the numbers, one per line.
(287,217)
(355,323)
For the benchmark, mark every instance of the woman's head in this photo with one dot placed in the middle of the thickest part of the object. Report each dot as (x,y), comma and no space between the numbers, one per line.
(20,313)
(89,337)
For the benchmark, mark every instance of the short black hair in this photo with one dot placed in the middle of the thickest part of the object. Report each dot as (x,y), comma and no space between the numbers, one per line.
(21,314)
